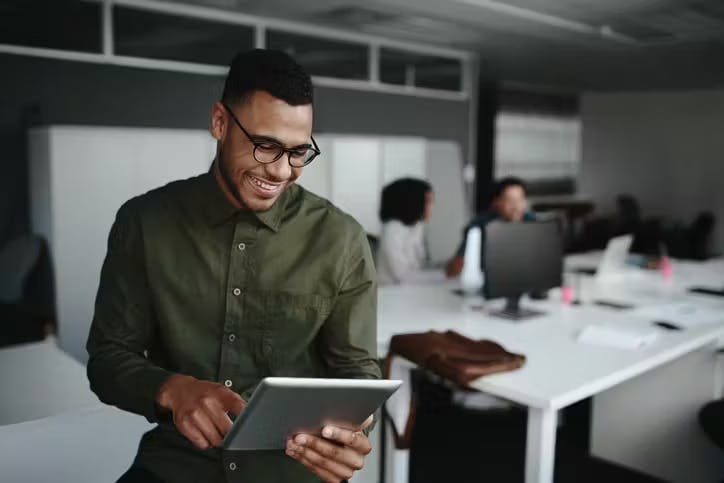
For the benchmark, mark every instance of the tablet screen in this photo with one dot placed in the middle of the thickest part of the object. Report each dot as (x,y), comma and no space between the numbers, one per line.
(282,407)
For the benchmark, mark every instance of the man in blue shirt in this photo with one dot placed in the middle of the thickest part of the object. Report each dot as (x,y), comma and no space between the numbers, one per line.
(509,204)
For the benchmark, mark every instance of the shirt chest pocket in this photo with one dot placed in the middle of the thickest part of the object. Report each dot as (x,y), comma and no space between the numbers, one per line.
(285,329)
(289,318)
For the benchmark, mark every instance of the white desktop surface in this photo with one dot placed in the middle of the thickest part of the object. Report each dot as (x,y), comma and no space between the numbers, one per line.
(40,380)
(88,445)
(52,427)
(559,370)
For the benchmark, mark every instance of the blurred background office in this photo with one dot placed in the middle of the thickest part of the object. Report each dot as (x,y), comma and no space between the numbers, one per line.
(610,113)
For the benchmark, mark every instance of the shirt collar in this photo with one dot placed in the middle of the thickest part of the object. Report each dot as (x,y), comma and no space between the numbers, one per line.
(219,209)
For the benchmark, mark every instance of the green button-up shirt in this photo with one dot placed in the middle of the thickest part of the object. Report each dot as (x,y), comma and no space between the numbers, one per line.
(193,285)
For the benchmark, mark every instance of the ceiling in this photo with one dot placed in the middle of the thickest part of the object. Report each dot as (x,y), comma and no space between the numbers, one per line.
(567,45)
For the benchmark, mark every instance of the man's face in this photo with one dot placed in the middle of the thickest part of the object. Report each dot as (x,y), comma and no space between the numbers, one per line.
(511,205)
(257,186)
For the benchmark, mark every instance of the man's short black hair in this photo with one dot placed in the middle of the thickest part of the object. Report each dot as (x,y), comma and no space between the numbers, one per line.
(404,200)
(505,183)
(272,71)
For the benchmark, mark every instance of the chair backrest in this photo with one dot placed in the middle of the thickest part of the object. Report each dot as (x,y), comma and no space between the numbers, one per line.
(700,233)
(17,260)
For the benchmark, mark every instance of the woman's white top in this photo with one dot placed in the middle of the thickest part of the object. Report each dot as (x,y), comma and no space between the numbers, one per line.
(401,255)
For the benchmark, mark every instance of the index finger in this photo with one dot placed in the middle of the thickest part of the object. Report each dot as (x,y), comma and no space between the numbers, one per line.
(231,401)
(352,439)
(216,413)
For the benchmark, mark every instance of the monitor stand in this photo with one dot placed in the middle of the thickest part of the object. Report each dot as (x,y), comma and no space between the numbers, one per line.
(513,311)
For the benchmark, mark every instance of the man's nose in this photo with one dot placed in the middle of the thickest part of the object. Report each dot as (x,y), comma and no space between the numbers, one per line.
(279,170)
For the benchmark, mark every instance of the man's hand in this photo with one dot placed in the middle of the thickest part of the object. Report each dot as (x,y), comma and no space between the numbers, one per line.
(199,408)
(336,455)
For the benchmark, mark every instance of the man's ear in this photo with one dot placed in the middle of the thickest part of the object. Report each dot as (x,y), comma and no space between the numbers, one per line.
(218,121)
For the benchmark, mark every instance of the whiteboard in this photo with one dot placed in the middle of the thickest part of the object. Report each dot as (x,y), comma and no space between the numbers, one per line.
(316,177)
(403,158)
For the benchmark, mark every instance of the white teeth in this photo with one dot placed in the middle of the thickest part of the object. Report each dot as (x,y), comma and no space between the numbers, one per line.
(263,185)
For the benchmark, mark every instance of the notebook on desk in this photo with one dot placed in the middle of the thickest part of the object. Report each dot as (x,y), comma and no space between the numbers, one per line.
(625,338)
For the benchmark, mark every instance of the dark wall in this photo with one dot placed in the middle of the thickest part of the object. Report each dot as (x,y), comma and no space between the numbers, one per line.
(488,98)
(364,112)
(41,91)
(37,91)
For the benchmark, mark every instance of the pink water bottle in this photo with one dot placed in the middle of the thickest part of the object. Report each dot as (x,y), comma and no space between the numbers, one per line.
(667,271)
(567,295)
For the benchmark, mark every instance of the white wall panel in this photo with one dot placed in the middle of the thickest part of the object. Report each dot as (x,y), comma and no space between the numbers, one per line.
(92,171)
(317,176)
(356,175)
(402,158)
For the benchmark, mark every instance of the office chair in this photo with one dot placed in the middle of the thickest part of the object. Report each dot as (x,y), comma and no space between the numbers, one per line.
(692,242)
(700,232)
(711,420)
(628,214)
(27,307)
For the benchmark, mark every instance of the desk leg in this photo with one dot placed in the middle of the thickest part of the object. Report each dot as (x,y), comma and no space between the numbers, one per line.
(396,466)
(540,445)
(397,462)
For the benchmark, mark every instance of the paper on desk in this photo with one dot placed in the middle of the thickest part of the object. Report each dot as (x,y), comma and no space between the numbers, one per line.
(682,314)
(628,338)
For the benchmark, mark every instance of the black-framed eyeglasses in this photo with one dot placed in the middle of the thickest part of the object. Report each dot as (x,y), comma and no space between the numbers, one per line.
(268,150)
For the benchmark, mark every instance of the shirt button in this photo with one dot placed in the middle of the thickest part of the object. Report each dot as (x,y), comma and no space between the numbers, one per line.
(237,291)
(241,247)
(232,337)
(232,466)
(227,383)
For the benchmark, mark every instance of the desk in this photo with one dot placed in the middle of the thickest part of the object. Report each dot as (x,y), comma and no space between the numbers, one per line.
(40,380)
(559,370)
(91,444)
(52,427)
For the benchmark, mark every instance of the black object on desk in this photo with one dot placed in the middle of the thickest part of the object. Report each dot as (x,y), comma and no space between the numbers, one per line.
(666,325)
(707,291)
(613,305)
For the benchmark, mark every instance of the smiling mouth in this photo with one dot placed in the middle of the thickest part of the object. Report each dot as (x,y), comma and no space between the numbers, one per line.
(263,187)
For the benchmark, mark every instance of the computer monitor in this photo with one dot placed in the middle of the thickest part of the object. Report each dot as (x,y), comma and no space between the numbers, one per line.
(521,258)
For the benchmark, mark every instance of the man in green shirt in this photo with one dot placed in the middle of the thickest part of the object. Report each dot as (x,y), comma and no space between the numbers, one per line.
(212,283)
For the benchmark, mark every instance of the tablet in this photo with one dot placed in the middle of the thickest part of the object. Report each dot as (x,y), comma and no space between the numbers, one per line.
(284,406)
